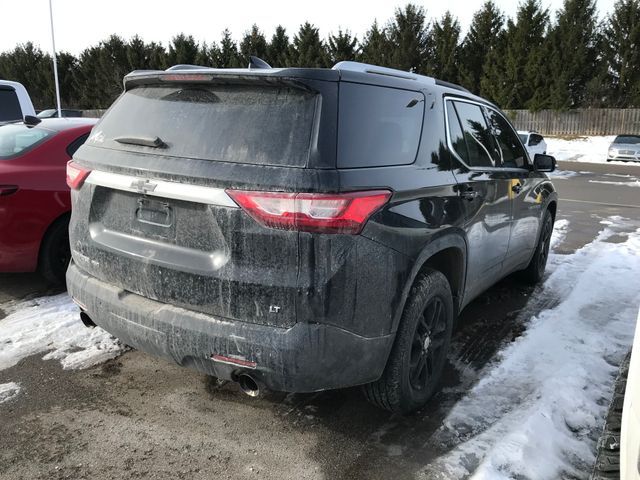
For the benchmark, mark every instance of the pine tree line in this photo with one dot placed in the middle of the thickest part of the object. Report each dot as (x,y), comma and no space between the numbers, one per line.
(532,61)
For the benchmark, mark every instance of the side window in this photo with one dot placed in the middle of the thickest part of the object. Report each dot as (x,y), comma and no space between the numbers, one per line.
(455,133)
(513,154)
(477,135)
(9,105)
(378,126)
(76,144)
(535,139)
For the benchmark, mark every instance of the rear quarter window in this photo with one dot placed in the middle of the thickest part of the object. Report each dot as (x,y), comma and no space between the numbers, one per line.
(262,125)
(378,126)
(9,105)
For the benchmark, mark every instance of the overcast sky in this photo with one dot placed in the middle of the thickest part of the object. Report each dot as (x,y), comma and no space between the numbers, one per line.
(83,23)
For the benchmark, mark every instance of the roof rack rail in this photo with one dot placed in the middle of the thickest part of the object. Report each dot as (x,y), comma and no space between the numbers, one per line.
(185,67)
(367,68)
(257,62)
(442,83)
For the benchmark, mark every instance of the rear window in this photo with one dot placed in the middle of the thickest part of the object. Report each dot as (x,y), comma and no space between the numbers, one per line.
(378,126)
(9,105)
(242,124)
(628,139)
(18,139)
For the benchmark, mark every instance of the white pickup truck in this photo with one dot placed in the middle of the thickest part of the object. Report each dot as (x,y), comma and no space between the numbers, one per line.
(15,102)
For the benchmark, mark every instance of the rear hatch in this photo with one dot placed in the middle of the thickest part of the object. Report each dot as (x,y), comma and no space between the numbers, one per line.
(154,217)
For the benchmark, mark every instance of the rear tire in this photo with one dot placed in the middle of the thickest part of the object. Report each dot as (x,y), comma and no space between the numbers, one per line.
(55,253)
(535,270)
(414,368)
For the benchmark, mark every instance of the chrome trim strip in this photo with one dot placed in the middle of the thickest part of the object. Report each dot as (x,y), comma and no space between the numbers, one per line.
(162,188)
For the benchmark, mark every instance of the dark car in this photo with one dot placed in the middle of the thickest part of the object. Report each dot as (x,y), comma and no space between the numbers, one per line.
(624,148)
(35,202)
(302,229)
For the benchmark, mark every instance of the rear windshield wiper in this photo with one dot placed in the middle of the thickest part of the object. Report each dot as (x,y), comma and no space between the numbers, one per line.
(154,142)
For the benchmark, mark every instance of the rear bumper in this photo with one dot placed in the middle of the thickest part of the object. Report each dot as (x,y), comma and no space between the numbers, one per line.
(303,358)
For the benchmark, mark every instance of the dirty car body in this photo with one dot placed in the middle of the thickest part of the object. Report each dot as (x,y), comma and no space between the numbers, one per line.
(272,222)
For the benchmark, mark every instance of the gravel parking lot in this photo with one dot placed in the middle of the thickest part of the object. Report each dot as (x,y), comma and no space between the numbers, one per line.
(139,417)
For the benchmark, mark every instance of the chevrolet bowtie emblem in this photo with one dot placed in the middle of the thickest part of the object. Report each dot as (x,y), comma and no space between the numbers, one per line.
(144,186)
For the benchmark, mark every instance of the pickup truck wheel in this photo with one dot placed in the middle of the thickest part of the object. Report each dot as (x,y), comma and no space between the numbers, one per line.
(418,356)
(535,270)
(55,253)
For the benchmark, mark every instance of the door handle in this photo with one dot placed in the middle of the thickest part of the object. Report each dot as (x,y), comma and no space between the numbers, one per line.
(517,188)
(469,194)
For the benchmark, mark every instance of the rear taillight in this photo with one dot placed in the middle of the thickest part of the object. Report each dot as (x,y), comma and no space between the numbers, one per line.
(76,175)
(8,190)
(312,212)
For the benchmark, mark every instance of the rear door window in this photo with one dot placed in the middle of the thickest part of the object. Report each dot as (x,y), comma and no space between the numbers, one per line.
(18,139)
(477,135)
(378,126)
(9,105)
(260,125)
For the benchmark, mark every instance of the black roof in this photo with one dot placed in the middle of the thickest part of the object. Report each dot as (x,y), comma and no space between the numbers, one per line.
(347,71)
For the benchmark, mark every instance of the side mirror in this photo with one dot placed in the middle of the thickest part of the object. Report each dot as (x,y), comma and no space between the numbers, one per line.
(544,163)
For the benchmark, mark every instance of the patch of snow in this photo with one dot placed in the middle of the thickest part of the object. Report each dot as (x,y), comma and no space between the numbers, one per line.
(52,324)
(635,183)
(562,174)
(8,391)
(583,149)
(537,411)
(560,228)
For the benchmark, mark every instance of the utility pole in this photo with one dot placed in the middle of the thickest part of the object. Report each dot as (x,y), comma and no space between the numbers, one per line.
(55,61)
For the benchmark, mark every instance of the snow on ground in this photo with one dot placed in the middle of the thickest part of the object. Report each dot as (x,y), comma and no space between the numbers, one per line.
(582,149)
(52,324)
(8,391)
(562,174)
(538,409)
(632,183)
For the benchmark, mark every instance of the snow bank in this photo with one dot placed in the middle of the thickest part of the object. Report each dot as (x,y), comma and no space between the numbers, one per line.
(52,324)
(536,412)
(8,391)
(583,149)
(631,183)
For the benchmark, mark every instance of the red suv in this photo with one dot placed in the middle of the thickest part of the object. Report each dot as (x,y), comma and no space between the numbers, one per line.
(35,204)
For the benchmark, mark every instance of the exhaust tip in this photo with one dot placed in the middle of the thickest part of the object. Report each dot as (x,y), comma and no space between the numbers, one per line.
(249,385)
(86,320)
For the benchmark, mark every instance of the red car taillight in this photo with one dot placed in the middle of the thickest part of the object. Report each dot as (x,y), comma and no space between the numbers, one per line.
(312,212)
(76,175)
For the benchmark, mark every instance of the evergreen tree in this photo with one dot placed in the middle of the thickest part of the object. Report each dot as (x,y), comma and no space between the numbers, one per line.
(141,55)
(409,36)
(572,53)
(376,47)
(341,47)
(183,49)
(33,68)
(443,61)
(100,73)
(278,48)
(253,43)
(228,54)
(512,73)
(307,49)
(621,50)
(208,55)
(483,37)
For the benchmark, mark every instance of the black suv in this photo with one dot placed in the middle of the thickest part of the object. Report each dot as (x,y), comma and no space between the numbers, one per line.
(301,229)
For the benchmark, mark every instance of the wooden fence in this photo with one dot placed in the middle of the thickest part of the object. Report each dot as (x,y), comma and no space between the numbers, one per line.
(589,121)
